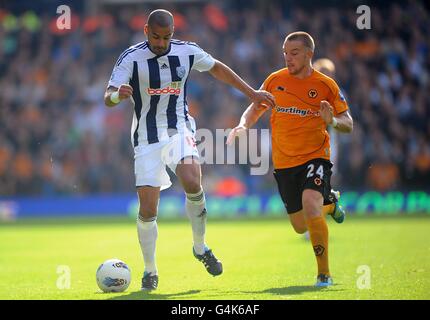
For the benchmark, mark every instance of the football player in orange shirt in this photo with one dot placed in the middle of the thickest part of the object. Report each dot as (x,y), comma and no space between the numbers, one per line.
(307,101)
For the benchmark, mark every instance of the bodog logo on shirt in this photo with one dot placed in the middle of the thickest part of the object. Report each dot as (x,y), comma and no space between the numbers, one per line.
(173,88)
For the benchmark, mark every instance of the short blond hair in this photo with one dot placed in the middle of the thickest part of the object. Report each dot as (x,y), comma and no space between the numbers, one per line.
(302,36)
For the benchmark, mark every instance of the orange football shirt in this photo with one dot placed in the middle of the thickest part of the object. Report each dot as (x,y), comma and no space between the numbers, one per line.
(299,134)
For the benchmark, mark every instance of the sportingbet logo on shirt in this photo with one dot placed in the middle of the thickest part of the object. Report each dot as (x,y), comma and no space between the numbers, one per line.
(297,111)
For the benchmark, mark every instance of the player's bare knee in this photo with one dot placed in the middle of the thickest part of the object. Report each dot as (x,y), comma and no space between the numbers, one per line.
(191,181)
(312,203)
(192,185)
(148,210)
(300,229)
(148,201)
(189,176)
(311,210)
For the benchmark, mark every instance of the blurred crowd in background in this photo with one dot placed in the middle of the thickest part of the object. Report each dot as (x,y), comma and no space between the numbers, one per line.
(57,137)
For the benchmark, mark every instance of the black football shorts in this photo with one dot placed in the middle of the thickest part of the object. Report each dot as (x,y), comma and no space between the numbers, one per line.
(314,174)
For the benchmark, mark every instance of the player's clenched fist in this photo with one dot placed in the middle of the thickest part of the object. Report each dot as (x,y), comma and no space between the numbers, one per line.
(113,96)
(125,91)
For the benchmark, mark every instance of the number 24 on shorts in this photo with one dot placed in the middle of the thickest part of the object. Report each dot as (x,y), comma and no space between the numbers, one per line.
(319,172)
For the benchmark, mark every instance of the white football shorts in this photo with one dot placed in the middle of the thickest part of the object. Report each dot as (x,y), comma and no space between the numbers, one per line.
(151,160)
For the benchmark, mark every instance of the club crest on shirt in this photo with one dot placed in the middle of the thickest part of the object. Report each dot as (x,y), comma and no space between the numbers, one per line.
(180,71)
(312,93)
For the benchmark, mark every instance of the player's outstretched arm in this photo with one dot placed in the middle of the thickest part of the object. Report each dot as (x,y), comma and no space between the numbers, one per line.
(223,73)
(248,119)
(114,95)
(342,123)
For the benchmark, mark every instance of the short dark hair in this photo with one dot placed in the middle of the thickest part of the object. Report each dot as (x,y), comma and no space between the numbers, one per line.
(302,36)
(160,17)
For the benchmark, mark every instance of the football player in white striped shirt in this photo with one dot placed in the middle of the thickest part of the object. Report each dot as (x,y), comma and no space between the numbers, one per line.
(154,74)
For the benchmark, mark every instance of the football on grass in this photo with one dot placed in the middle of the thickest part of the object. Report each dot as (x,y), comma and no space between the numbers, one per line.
(113,276)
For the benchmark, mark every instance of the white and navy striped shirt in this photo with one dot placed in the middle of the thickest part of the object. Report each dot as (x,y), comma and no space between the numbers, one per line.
(159,87)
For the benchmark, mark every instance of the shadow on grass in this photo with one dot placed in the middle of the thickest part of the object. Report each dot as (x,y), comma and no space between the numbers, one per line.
(144,295)
(294,290)
(285,291)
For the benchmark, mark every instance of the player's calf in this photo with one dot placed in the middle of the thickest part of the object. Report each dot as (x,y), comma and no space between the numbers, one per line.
(189,174)
(298,222)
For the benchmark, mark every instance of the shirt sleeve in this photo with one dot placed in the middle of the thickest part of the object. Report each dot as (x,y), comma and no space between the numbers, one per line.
(122,72)
(203,61)
(267,84)
(338,101)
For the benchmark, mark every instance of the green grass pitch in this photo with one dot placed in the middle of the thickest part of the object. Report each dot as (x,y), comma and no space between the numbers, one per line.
(262,258)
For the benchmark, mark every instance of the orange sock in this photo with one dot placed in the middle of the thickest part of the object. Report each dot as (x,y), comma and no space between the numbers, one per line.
(328,209)
(318,232)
